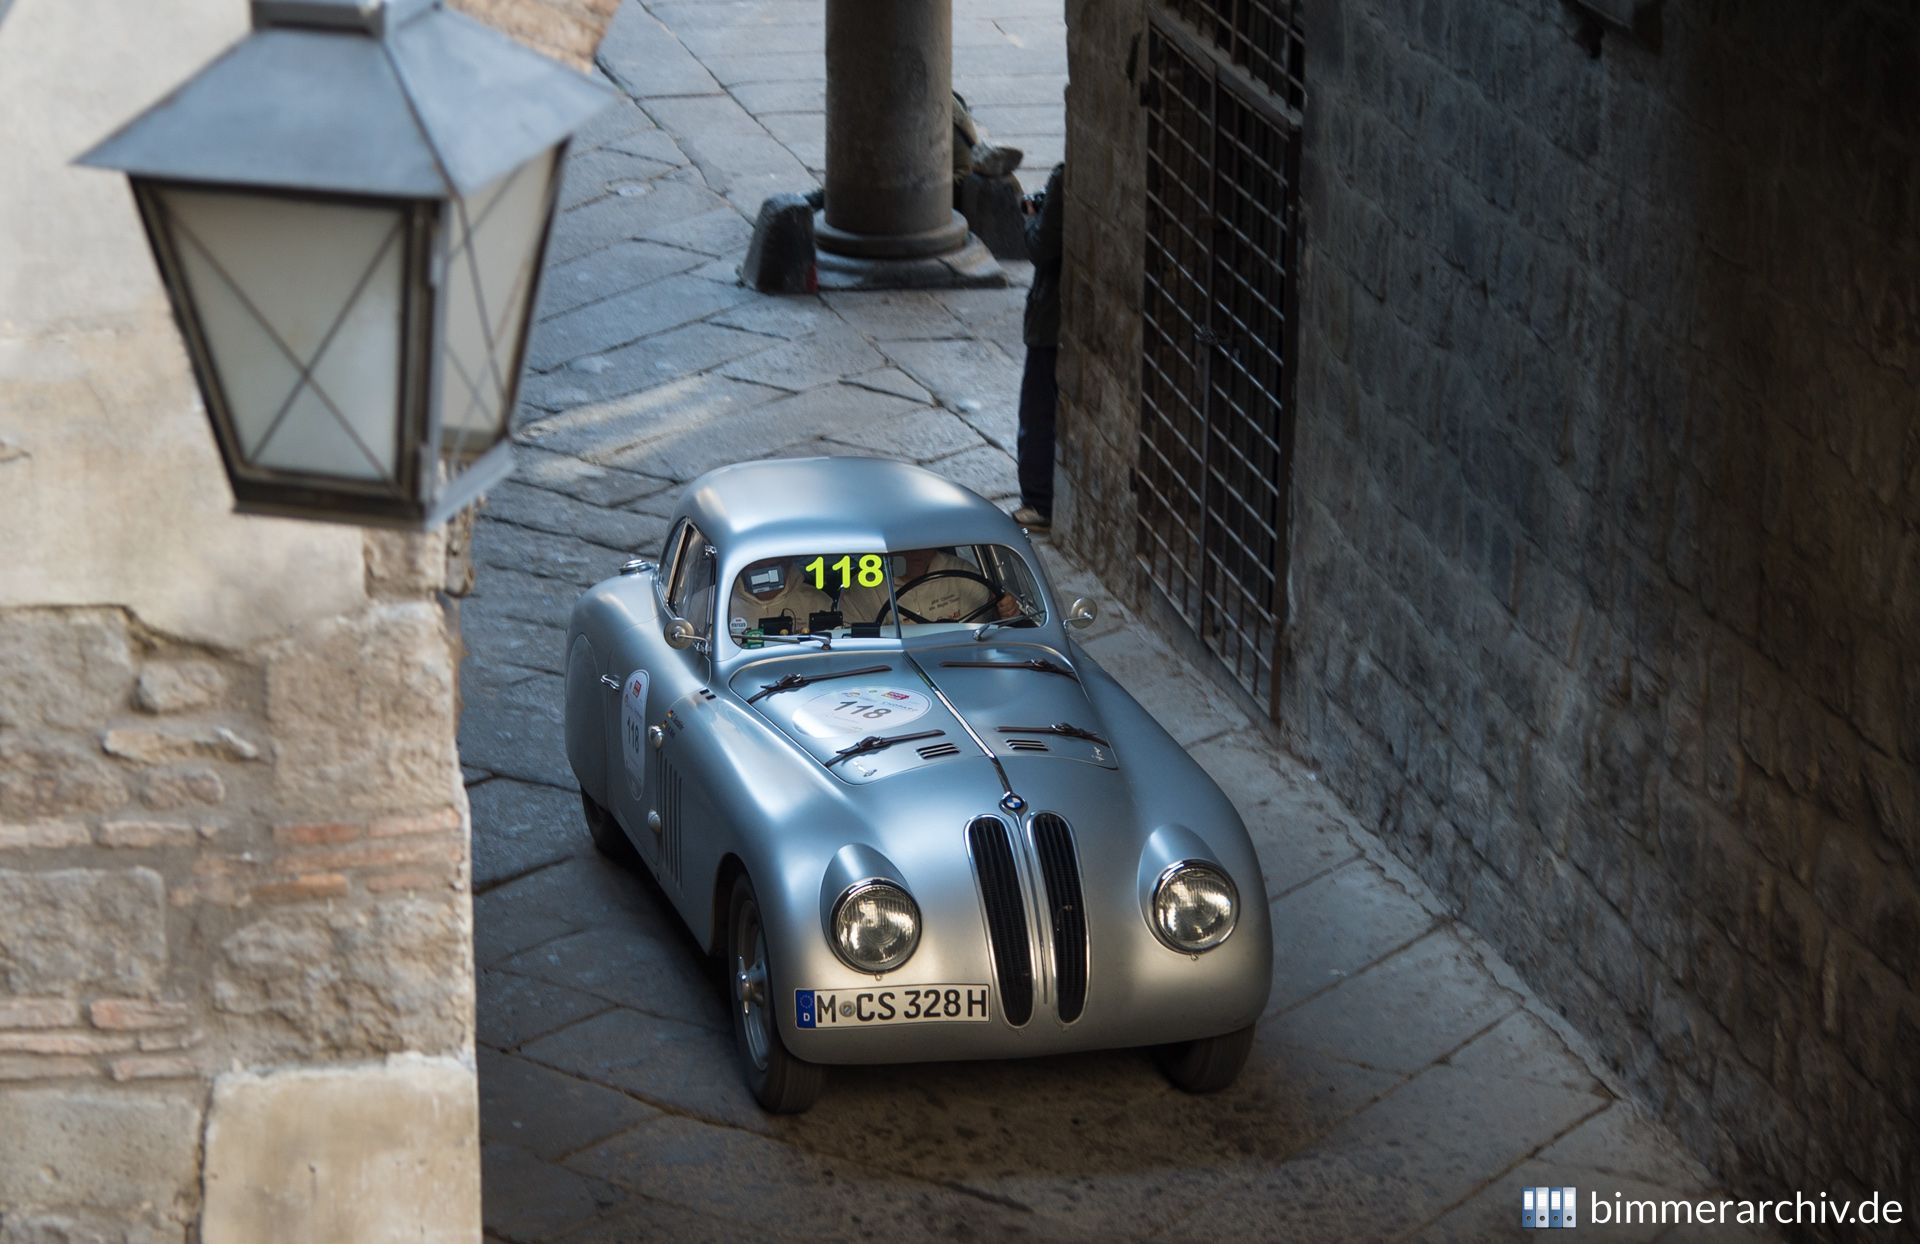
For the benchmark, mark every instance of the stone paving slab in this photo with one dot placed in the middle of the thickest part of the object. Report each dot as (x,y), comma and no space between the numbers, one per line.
(628,317)
(1333,928)
(1403,1083)
(517,821)
(548,1113)
(622,266)
(692,347)
(524,1198)
(752,1176)
(514,1009)
(1404,1013)
(581,480)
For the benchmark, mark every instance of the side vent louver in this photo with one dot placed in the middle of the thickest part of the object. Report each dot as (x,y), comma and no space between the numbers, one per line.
(1053,841)
(670,825)
(992,851)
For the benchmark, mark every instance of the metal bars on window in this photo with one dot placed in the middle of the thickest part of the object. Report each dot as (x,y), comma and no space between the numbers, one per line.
(1216,428)
(1260,36)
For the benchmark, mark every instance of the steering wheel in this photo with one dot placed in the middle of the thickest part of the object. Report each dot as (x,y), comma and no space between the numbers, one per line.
(930,576)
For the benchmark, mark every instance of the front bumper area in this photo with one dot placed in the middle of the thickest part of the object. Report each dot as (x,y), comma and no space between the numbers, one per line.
(1139,994)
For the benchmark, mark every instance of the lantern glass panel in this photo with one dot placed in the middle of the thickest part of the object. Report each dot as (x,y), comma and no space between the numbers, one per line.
(300,305)
(493,253)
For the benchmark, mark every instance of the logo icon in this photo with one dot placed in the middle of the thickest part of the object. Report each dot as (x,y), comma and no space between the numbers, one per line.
(1542,1208)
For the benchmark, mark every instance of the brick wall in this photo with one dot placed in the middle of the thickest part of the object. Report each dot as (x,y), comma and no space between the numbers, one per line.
(1606,534)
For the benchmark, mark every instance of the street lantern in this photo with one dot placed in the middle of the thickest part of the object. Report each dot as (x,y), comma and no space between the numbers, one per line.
(349,208)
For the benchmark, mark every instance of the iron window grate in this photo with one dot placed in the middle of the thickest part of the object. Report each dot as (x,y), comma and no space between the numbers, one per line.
(1216,422)
(1261,36)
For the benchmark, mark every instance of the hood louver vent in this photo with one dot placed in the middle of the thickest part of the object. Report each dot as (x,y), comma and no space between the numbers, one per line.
(991,847)
(1059,864)
(1026,745)
(934,751)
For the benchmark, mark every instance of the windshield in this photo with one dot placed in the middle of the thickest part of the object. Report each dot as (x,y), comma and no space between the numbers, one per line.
(878,595)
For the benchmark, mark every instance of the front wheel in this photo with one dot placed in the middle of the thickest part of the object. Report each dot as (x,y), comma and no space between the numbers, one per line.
(781,1083)
(1207,1065)
(608,838)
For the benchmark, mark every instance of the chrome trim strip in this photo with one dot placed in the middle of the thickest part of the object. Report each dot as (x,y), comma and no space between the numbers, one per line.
(1011,801)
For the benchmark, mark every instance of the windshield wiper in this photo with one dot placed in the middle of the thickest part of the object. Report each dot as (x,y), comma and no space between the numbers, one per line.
(877,742)
(791,682)
(1065,728)
(1037,664)
(1025,619)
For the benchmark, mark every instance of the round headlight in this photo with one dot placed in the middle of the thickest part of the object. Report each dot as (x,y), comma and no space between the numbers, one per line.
(1193,907)
(876,926)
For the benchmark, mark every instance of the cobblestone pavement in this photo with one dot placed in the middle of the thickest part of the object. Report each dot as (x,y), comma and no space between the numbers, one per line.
(1404,1084)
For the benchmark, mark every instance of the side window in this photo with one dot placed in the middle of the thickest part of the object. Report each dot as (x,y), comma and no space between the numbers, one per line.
(691,593)
(670,555)
(674,568)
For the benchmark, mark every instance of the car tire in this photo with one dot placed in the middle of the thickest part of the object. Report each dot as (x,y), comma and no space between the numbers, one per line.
(781,1083)
(1207,1065)
(608,838)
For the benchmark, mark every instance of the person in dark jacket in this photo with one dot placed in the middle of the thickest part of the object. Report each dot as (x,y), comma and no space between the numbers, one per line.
(1039,391)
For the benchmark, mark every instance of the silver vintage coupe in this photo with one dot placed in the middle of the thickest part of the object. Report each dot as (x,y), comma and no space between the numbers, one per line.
(844,723)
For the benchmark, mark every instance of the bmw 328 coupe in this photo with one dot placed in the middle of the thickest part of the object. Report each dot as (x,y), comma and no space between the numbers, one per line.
(844,723)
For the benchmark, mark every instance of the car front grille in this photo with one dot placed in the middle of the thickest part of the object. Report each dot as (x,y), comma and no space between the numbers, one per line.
(1053,840)
(992,850)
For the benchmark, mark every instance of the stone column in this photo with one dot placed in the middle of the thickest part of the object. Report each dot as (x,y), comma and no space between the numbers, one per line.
(890,130)
(889,217)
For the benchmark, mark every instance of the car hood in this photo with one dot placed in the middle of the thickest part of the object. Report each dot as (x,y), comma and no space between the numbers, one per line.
(1021,699)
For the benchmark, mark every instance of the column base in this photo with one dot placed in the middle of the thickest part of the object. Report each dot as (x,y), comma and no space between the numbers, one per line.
(972,266)
(950,236)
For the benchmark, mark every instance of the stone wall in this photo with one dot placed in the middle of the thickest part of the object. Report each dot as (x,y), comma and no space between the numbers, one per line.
(235,934)
(1605,605)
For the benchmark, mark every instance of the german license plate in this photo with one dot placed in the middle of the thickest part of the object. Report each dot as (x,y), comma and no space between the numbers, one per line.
(894,1004)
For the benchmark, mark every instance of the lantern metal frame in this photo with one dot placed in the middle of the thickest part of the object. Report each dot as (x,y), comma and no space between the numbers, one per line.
(500,110)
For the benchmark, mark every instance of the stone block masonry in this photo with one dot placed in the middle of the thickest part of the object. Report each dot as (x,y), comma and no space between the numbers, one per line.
(218,858)
(1605,599)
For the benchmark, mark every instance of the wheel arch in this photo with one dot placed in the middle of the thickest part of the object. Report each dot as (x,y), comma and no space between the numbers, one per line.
(586,719)
(714,938)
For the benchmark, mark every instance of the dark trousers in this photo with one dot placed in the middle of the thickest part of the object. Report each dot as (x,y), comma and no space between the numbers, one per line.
(1039,395)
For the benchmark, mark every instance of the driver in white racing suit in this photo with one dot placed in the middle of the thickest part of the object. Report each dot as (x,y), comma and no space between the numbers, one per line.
(947,599)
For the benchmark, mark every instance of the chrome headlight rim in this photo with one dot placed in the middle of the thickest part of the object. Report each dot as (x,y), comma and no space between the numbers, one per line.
(858,889)
(1175,869)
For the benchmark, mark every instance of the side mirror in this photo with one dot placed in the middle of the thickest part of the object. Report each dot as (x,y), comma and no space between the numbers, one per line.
(1081,613)
(680,633)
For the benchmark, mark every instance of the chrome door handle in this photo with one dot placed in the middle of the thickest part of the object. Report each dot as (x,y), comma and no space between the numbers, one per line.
(608,680)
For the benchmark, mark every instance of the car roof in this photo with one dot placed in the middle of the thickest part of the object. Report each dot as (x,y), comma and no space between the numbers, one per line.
(787,505)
